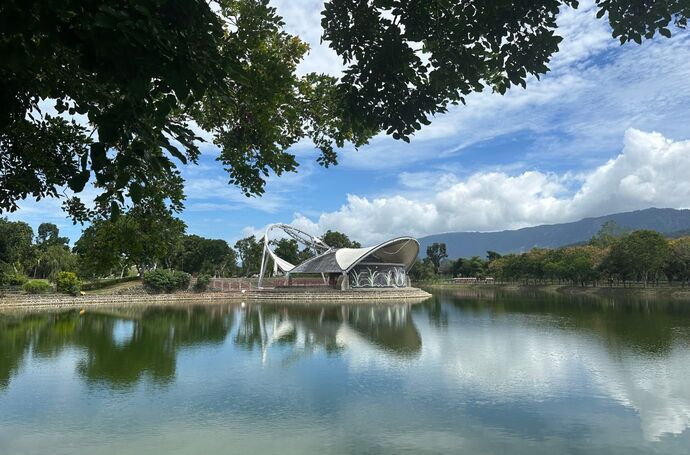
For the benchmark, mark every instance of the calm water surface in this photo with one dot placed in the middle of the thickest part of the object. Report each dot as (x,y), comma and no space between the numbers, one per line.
(460,373)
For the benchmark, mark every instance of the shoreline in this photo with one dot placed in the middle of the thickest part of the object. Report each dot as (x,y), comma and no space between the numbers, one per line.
(665,292)
(375,296)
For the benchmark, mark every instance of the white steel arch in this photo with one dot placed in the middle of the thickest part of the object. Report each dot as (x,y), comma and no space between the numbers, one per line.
(308,240)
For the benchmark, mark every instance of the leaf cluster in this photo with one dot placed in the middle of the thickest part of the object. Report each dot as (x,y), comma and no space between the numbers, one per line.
(166,281)
(67,283)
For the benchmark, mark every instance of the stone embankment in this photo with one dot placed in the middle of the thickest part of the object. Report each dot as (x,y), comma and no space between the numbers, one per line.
(302,295)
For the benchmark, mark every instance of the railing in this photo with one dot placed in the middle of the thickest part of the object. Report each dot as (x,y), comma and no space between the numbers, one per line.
(247,284)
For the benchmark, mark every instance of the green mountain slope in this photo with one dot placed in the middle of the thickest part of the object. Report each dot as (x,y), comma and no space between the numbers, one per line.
(467,244)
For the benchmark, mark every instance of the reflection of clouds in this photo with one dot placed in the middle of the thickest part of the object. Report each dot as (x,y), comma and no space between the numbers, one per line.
(510,362)
(509,359)
(505,361)
(361,354)
(657,388)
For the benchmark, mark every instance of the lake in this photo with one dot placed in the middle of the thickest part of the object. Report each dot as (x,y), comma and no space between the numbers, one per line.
(464,372)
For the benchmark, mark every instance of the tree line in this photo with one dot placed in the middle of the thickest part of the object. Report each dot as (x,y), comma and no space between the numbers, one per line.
(134,243)
(614,256)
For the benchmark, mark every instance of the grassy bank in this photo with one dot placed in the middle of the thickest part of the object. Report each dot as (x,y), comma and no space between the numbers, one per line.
(660,292)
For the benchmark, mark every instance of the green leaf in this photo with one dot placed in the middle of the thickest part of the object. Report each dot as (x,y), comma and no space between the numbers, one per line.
(78,181)
(98,156)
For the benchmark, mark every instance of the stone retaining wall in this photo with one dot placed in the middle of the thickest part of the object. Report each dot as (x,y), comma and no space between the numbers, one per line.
(283,296)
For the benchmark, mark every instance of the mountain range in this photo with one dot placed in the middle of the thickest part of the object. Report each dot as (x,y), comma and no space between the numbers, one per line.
(468,244)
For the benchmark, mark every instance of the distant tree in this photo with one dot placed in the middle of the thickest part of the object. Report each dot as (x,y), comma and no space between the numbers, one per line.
(581,265)
(288,249)
(50,254)
(15,249)
(15,241)
(677,265)
(608,234)
(101,249)
(492,256)
(423,270)
(436,252)
(456,267)
(230,267)
(50,260)
(641,254)
(249,251)
(197,255)
(497,268)
(306,253)
(147,236)
(512,267)
(49,234)
(473,267)
(337,239)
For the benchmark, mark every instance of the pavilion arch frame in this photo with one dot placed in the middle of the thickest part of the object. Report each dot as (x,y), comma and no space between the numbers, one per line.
(302,237)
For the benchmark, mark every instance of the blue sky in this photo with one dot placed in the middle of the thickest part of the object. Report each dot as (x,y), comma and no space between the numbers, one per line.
(607,130)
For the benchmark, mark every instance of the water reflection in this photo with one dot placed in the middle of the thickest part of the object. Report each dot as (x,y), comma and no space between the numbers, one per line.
(489,371)
(514,347)
(120,347)
(386,328)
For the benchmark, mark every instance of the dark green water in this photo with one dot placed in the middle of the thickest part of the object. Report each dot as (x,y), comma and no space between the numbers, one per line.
(461,373)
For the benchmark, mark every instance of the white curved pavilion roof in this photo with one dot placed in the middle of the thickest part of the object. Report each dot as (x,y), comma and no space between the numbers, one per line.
(282,264)
(401,250)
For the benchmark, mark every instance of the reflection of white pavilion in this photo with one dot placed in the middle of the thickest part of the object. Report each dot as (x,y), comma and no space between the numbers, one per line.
(376,330)
(380,266)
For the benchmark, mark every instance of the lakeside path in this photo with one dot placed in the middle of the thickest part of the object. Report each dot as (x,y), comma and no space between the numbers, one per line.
(373,296)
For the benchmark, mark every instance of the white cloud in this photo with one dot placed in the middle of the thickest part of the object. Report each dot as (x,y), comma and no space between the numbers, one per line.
(651,171)
(303,18)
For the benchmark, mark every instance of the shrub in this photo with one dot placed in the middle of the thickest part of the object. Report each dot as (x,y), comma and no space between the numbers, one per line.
(16,279)
(37,287)
(6,271)
(100,284)
(67,283)
(162,280)
(202,282)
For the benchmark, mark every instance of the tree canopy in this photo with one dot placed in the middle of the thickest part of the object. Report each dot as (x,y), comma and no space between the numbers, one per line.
(114,93)
(336,239)
(147,236)
(200,255)
(436,252)
(249,252)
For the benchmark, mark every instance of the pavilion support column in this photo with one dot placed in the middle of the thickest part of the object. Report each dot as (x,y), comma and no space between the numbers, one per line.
(345,286)
(264,262)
